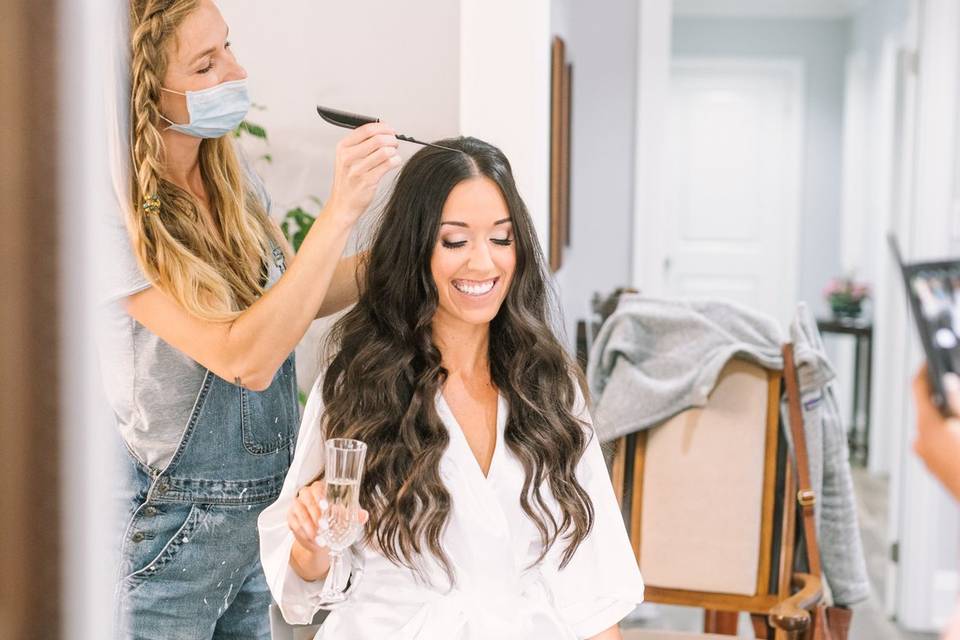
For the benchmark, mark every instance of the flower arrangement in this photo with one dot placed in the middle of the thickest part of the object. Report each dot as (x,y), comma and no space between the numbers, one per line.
(846,297)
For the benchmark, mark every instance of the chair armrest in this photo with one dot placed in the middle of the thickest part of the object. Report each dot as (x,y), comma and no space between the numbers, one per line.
(793,614)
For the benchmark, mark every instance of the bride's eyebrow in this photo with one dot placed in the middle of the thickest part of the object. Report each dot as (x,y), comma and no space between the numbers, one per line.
(466,226)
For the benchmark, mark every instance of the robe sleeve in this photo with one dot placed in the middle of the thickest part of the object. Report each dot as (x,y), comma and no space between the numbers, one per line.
(298,599)
(601,584)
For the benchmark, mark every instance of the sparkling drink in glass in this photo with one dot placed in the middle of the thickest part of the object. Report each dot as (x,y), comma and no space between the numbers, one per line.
(340,525)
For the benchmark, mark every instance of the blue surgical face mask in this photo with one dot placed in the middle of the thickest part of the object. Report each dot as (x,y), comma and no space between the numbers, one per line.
(214,112)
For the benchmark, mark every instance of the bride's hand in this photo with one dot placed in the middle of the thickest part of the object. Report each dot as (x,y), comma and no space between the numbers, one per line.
(307,512)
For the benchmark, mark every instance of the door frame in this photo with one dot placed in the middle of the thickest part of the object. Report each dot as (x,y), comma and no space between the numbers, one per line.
(648,231)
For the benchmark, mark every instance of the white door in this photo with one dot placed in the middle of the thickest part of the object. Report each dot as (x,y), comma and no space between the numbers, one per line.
(732,183)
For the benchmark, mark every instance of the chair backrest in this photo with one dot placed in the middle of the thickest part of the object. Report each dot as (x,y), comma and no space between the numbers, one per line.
(704,494)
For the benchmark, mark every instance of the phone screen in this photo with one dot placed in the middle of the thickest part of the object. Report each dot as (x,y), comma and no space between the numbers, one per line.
(934,292)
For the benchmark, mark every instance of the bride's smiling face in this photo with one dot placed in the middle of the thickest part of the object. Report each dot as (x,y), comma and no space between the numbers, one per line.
(475,257)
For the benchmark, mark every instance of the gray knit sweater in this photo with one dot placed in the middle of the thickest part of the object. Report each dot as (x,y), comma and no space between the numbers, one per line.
(654,358)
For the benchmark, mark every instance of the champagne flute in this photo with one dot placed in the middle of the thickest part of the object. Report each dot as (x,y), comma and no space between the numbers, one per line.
(340,524)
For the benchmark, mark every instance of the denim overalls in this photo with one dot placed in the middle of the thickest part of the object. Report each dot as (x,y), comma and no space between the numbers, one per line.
(190,560)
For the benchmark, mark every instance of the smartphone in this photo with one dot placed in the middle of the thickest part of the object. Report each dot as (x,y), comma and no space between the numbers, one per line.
(934,292)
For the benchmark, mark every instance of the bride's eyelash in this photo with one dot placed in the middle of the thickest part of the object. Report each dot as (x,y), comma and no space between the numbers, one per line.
(503,242)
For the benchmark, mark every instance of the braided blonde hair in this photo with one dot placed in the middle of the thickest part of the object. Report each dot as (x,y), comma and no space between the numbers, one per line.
(213,276)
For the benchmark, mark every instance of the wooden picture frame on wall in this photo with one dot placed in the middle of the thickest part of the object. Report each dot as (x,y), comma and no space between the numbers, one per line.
(561,74)
(567,101)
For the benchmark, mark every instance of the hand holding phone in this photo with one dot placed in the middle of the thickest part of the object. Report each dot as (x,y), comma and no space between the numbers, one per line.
(937,441)
(933,289)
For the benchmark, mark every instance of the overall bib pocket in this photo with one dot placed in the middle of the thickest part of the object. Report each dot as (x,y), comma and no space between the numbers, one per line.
(269,419)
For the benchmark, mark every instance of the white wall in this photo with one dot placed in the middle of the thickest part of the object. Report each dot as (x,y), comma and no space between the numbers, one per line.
(654,55)
(872,154)
(601,42)
(821,44)
(505,90)
(365,56)
(876,35)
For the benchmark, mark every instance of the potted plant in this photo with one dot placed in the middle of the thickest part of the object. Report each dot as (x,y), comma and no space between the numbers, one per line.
(846,297)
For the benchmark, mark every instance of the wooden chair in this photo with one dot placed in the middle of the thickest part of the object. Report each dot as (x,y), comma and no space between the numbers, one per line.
(280,629)
(709,499)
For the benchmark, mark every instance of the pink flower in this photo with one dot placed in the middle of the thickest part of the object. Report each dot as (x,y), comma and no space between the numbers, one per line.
(846,288)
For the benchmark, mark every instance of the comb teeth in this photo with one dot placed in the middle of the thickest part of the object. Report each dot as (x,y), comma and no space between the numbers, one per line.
(426,144)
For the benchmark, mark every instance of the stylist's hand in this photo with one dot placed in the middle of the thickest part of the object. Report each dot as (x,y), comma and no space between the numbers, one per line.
(364,156)
(938,438)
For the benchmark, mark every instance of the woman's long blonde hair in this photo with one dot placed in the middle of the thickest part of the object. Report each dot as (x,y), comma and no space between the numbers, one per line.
(212,276)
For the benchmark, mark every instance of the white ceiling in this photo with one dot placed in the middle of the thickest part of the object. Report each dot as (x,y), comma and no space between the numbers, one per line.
(767,8)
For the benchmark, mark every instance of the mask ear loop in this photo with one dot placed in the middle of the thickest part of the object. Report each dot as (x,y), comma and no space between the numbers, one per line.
(172,123)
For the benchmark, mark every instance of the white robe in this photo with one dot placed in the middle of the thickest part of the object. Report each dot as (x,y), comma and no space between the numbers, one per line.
(490,542)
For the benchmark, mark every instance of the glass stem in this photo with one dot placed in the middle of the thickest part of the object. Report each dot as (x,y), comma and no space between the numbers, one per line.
(335,582)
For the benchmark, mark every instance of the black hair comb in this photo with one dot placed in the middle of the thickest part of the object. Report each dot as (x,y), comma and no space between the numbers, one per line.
(352,121)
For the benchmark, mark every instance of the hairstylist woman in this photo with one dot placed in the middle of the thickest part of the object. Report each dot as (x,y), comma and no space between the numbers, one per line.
(206,313)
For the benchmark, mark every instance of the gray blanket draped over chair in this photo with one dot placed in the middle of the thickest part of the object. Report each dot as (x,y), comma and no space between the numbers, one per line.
(654,358)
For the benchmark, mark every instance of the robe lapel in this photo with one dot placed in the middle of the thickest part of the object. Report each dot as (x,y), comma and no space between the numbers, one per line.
(480,503)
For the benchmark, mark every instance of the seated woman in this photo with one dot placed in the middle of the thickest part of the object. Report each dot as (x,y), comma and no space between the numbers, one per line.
(491,513)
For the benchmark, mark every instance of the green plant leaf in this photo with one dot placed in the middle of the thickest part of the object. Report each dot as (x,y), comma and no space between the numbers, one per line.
(296,224)
(253,129)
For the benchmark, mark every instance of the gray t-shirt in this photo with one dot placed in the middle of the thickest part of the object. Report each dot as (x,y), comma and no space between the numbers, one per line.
(151,386)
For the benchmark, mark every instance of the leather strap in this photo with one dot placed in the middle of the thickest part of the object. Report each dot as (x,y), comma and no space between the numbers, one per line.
(806,498)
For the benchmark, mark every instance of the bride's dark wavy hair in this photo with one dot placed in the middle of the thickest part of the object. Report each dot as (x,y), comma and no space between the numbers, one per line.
(383,379)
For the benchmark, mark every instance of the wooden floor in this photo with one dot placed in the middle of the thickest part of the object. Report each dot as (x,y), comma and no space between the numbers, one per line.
(869,621)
